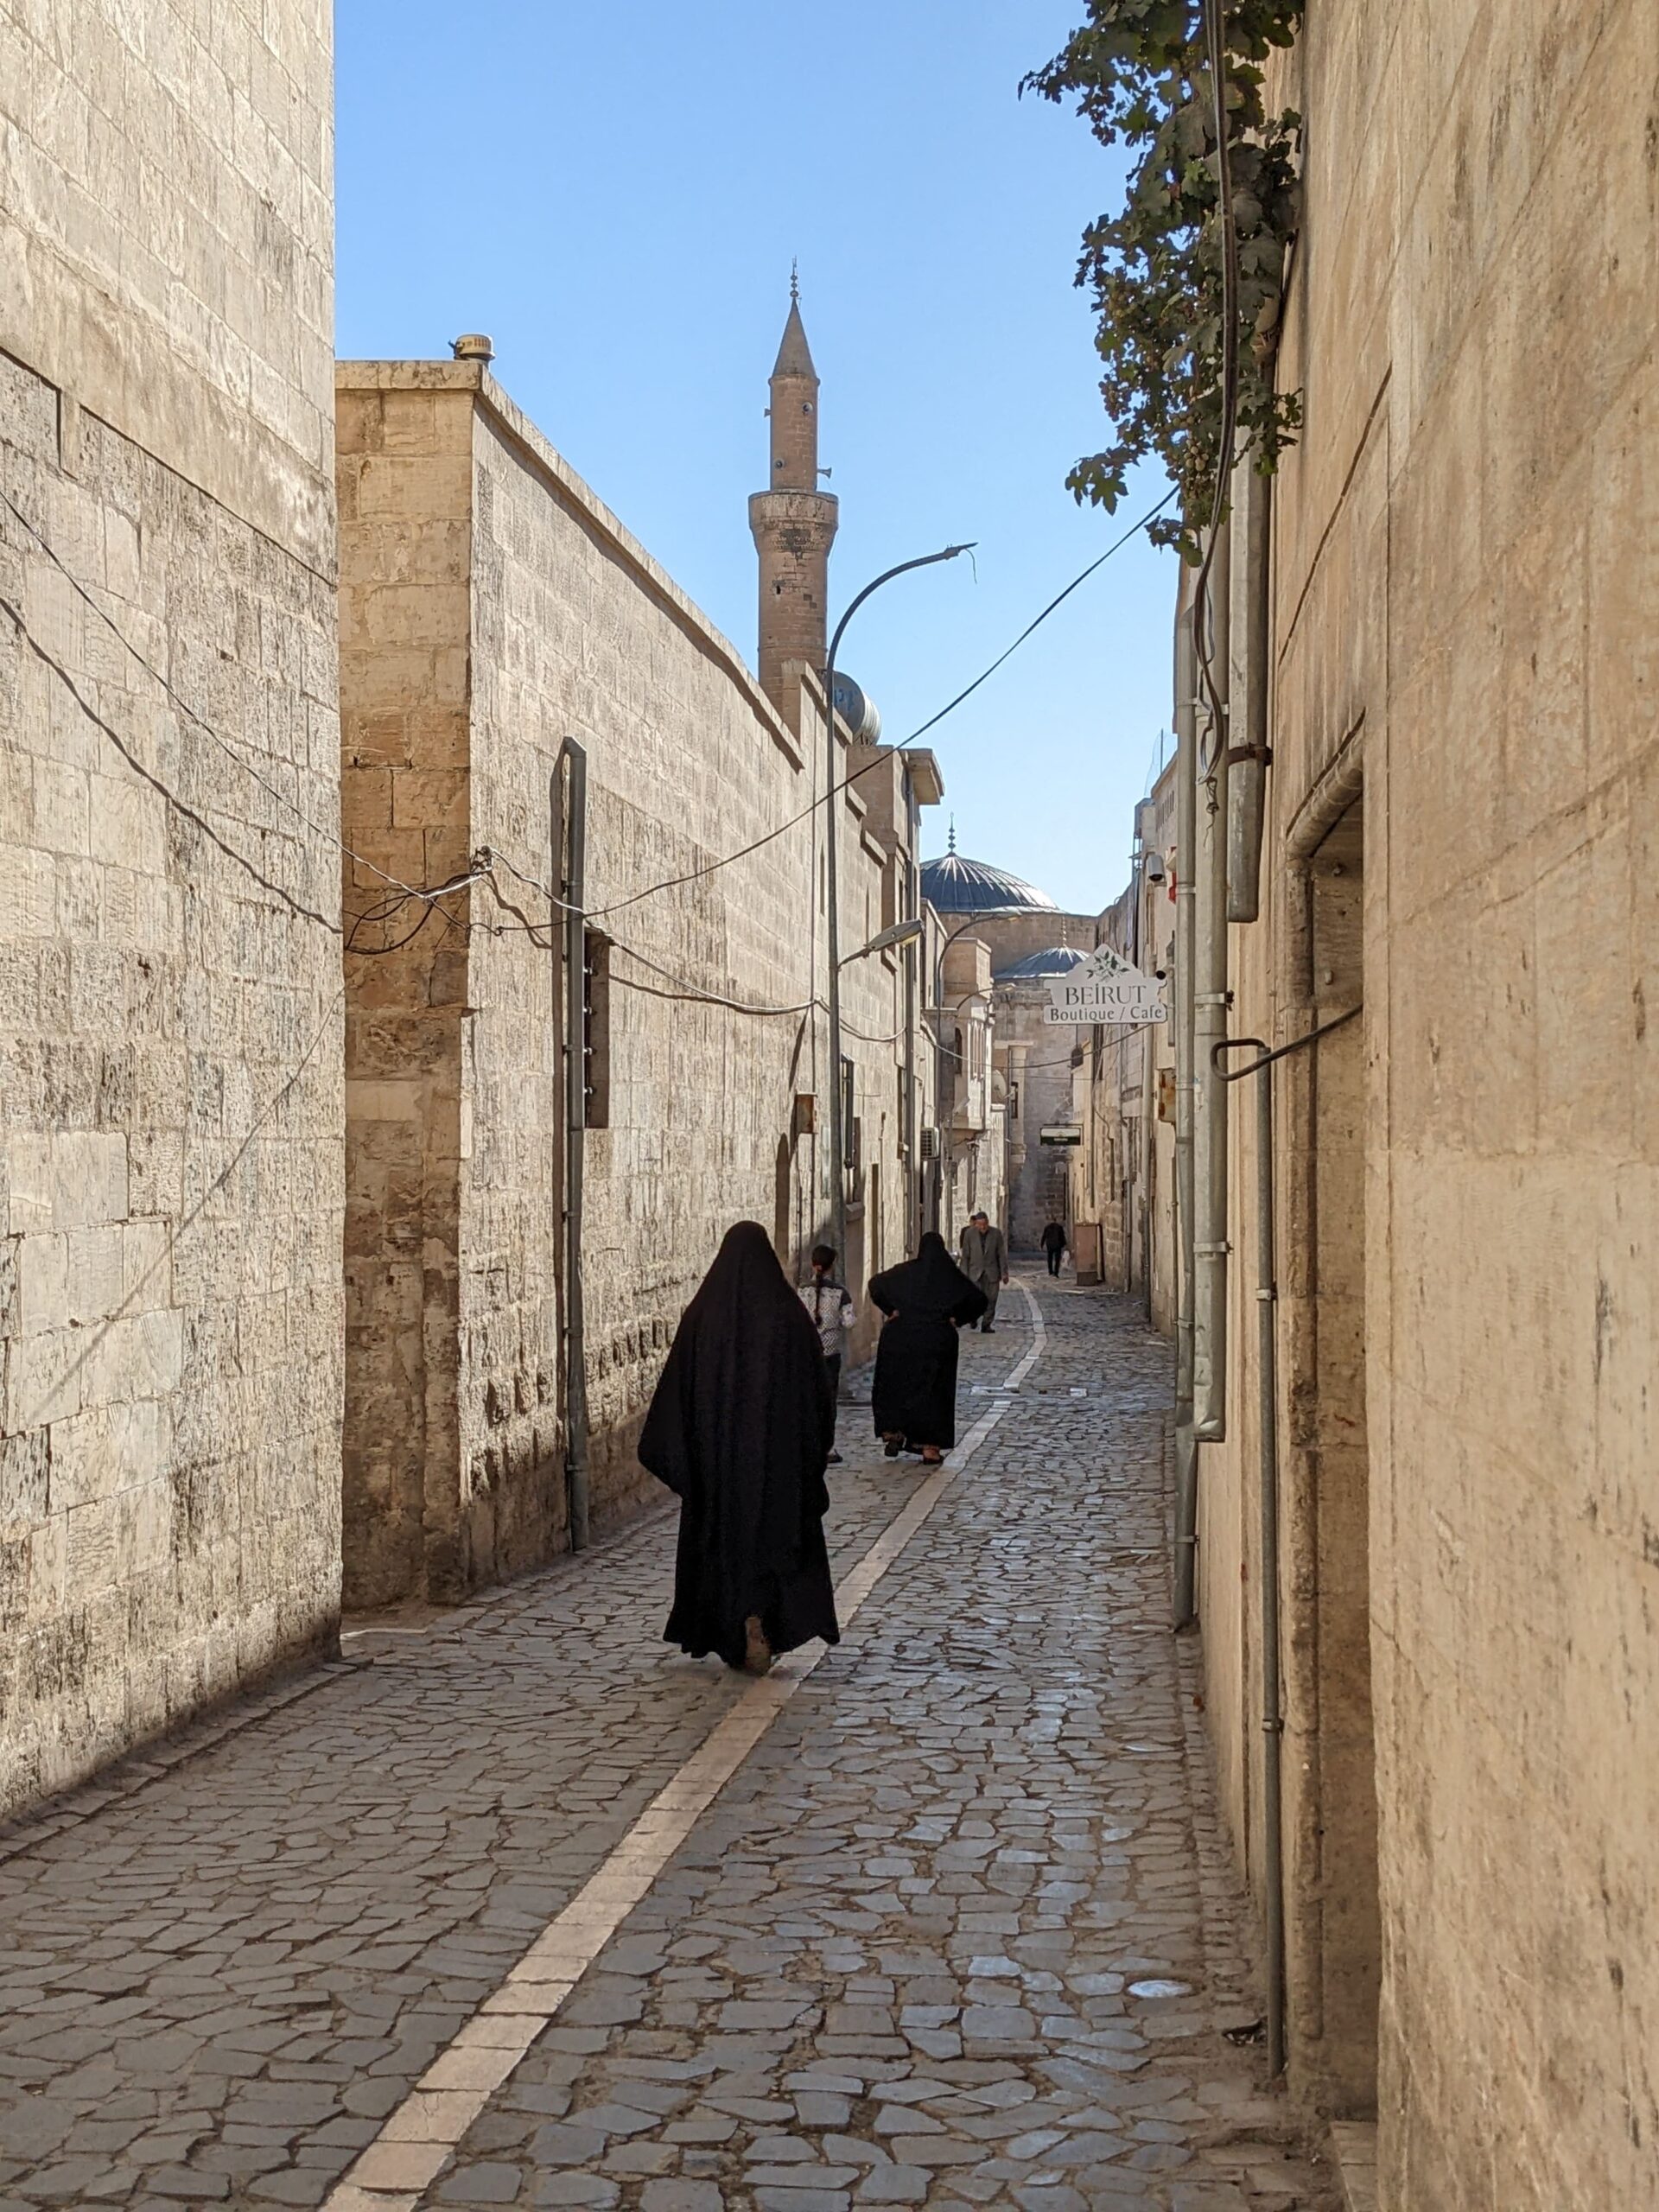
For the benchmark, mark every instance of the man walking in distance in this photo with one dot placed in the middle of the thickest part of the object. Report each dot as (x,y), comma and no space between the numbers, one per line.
(1052,1240)
(985,1262)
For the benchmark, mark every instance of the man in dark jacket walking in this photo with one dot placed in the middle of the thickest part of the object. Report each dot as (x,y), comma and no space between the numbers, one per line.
(985,1262)
(1053,1243)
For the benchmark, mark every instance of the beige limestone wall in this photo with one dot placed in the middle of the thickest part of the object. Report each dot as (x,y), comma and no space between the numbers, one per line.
(405,503)
(1462,580)
(169,948)
(493,606)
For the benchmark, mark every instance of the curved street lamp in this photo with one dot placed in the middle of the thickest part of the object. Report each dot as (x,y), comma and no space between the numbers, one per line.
(837,1123)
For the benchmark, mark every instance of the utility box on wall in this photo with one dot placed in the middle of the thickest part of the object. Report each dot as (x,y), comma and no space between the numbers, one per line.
(1085,1252)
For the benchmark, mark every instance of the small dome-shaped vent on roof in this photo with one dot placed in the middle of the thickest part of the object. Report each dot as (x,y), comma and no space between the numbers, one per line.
(955,885)
(1052,960)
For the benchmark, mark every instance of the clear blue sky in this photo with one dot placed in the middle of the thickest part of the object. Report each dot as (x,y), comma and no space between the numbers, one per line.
(614,194)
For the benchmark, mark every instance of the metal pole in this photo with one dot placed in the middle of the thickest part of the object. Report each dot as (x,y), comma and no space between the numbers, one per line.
(1247,791)
(1186,843)
(1267,1291)
(1210,998)
(831,841)
(570,860)
(837,1131)
(1266,1294)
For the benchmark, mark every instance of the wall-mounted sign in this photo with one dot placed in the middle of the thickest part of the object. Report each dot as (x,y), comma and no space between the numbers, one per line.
(1061,1132)
(1105,988)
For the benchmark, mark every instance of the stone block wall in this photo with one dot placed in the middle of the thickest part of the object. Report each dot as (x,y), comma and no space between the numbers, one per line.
(493,606)
(169,947)
(1463,578)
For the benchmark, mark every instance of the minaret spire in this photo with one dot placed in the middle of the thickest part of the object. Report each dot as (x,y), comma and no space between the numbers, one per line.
(792,521)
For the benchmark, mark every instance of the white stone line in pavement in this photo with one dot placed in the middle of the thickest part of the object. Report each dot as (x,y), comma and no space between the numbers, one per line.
(391,2174)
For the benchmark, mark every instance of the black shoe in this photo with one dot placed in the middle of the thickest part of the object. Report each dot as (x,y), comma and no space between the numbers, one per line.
(835,1459)
(893,1448)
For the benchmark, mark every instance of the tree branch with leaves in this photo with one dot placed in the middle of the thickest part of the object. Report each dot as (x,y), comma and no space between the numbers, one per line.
(1140,73)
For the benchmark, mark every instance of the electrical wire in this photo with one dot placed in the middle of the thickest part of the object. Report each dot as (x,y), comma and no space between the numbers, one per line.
(171,691)
(709,867)
(384,912)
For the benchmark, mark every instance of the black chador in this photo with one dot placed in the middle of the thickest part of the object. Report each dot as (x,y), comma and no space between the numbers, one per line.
(741,1430)
(915,1393)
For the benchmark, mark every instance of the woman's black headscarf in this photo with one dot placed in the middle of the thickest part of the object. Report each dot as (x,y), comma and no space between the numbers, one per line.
(915,1391)
(740,1429)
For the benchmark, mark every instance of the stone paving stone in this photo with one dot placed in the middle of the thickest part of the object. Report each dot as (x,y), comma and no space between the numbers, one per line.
(278,1935)
(919,1911)
(894,1964)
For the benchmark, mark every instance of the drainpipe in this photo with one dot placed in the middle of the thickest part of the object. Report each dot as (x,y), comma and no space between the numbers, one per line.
(1247,788)
(1210,999)
(569,811)
(1186,842)
(1267,1295)
(1148,1137)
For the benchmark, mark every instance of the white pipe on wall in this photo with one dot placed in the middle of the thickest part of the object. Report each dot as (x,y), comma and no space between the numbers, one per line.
(1210,999)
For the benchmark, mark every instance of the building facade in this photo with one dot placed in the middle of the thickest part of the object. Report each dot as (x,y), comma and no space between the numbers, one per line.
(494,614)
(1446,614)
(1025,939)
(169,905)
(1122,1186)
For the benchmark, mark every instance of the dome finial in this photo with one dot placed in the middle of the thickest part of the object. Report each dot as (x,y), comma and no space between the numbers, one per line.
(794,280)
(953,833)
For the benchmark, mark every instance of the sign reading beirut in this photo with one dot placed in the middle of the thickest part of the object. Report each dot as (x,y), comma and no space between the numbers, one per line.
(1105,988)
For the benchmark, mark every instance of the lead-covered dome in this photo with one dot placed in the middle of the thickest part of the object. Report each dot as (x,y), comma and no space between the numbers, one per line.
(1052,960)
(955,885)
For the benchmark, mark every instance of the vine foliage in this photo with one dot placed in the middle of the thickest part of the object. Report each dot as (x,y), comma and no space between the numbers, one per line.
(1140,72)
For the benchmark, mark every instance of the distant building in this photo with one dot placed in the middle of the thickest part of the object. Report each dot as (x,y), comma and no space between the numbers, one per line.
(1026,939)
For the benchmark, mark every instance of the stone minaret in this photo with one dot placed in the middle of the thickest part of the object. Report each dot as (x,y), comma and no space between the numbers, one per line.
(792,521)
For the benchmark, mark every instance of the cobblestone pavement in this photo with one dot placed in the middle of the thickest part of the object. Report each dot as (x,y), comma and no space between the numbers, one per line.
(943,1940)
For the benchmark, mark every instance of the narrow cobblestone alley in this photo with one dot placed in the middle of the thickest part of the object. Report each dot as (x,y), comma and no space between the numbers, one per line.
(956,1932)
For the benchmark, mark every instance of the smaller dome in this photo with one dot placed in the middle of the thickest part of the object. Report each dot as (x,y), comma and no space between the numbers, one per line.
(955,885)
(1053,960)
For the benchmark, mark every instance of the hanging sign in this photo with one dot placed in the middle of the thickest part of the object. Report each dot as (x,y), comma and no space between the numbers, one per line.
(1105,988)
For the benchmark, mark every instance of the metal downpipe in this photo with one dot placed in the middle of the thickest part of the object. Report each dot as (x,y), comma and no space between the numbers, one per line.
(1247,784)
(1267,1294)
(569,810)
(1187,817)
(1210,997)
(1273,1848)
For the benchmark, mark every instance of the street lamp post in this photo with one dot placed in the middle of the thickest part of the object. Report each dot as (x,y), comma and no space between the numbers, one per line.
(837,1103)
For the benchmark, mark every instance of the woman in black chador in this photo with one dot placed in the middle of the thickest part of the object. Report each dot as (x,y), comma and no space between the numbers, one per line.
(740,1430)
(926,1301)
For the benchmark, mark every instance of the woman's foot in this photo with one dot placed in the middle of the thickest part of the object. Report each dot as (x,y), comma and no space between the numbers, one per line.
(757,1651)
(835,1459)
(931,1456)
(891,1446)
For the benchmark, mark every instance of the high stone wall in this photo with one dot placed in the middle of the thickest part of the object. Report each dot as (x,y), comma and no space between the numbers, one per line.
(169,951)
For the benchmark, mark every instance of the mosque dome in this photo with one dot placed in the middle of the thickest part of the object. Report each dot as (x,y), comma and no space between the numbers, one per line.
(955,885)
(1053,960)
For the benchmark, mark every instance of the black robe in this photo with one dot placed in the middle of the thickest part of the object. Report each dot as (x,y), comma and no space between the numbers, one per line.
(740,1431)
(915,1391)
